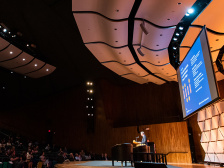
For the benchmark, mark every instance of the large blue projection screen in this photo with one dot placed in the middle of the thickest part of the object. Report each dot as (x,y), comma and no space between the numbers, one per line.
(196,77)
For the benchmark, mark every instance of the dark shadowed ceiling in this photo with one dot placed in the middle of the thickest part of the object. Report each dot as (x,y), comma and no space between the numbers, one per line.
(50,25)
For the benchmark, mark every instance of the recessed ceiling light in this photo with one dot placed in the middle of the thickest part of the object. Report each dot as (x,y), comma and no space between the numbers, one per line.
(4,30)
(187,14)
(9,32)
(35,64)
(27,45)
(174,48)
(47,69)
(11,72)
(175,39)
(177,34)
(24,59)
(3,87)
(181,28)
(190,10)
(10,52)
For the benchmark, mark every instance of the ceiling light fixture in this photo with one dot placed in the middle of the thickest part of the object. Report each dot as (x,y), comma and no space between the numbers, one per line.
(139,49)
(181,28)
(24,59)
(140,52)
(190,11)
(10,52)
(35,65)
(142,25)
(4,30)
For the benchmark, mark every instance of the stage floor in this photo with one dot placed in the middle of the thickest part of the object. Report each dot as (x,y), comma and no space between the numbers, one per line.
(105,164)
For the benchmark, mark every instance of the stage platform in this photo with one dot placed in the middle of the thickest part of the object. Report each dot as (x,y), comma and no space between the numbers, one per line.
(105,164)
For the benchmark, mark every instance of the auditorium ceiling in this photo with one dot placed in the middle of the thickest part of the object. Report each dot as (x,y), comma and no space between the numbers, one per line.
(82,40)
(113,33)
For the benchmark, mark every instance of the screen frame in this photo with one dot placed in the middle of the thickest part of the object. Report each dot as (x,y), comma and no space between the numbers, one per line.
(216,85)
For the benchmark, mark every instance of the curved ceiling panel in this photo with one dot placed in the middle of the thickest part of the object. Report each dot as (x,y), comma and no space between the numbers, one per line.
(155,57)
(9,53)
(166,70)
(219,76)
(106,53)
(190,36)
(215,41)
(137,70)
(215,67)
(157,38)
(212,16)
(164,13)
(32,66)
(3,43)
(95,28)
(153,79)
(135,78)
(183,53)
(114,9)
(45,70)
(117,68)
(21,60)
(174,78)
(215,55)
(121,69)
(168,78)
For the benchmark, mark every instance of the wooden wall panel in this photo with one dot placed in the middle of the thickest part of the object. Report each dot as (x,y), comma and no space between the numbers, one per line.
(65,114)
(141,104)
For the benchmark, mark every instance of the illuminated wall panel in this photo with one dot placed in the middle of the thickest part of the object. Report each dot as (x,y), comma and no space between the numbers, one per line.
(211,123)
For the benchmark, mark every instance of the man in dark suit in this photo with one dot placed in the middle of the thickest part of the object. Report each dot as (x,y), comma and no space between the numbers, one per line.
(144,139)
